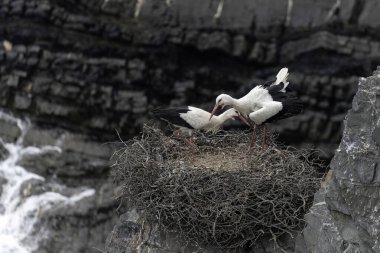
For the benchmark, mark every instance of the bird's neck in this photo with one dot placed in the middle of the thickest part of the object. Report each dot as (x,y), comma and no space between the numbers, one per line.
(217,121)
(240,105)
(233,102)
(221,118)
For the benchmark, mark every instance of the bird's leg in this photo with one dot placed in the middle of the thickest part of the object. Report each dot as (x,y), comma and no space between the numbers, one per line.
(190,142)
(176,133)
(264,137)
(253,138)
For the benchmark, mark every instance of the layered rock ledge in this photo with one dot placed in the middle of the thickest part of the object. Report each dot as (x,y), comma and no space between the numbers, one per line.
(345,216)
(95,65)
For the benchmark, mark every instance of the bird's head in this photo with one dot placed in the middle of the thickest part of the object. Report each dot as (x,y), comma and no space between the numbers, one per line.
(235,114)
(221,101)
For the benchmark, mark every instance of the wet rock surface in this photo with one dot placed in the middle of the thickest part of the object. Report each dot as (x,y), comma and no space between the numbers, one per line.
(79,164)
(68,165)
(3,181)
(81,226)
(78,161)
(345,215)
(9,132)
(3,156)
(3,152)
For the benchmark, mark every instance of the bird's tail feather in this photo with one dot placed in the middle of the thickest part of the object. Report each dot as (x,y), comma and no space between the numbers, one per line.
(169,113)
(282,76)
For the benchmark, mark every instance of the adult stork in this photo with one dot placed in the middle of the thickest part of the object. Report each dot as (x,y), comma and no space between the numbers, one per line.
(264,103)
(188,118)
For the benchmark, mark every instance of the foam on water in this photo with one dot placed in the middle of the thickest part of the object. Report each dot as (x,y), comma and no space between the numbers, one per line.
(19,215)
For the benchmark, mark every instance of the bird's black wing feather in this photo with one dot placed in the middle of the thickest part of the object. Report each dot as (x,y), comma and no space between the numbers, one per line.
(172,115)
(276,93)
(268,83)
(290,106)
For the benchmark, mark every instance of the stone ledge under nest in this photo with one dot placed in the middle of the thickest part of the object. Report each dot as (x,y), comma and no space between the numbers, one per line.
(214,193)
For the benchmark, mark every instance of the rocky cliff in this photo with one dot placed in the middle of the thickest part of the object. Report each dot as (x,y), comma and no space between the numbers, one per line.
(93,66)
(345,215)
(88,67)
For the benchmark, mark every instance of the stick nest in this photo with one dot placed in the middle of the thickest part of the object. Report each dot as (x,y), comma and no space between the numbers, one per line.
(215,192)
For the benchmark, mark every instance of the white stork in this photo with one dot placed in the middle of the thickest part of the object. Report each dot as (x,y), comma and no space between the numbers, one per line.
(264,103)
(188,118)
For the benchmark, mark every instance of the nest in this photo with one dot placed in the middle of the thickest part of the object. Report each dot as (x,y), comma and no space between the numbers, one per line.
(214,192)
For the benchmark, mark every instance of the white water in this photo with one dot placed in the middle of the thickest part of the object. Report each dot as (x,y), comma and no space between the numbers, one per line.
(19,215)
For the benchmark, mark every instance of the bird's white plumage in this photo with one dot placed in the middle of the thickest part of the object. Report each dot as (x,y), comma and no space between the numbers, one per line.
(195,117)
(268,110)
(253,101)
(258,104)
(199,119)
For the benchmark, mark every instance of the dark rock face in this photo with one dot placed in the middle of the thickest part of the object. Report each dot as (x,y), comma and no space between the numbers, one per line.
(3,152)
(79,227)
(83,225)
(80,162)
(93,66)
(345,215)
(9,132)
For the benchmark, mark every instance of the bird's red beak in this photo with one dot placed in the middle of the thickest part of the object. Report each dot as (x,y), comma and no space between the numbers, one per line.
(244,120)
(216,107)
